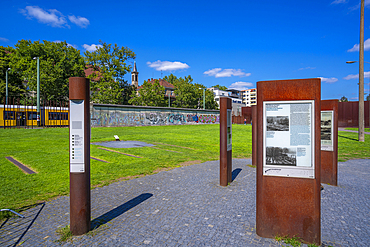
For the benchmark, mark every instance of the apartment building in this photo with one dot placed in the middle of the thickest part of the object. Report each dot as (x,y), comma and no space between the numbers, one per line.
(235,95)
(249,96)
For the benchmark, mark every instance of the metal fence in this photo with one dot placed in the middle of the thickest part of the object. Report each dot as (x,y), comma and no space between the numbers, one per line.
(348,114)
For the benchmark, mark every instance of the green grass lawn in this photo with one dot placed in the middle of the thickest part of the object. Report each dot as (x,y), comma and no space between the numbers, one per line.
(46,152)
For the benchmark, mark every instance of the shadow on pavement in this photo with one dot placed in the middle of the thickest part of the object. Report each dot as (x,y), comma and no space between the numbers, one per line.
(13,229)
(235,173)
(103,219)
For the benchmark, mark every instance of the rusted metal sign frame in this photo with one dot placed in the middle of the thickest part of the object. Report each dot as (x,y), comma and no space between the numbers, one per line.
(225,148)
(287,206)
(79,181)
(329,159)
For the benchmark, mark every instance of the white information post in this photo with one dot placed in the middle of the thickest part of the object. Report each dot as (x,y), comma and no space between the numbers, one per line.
(76,136)
(327,133)
(288,133)
(229,130)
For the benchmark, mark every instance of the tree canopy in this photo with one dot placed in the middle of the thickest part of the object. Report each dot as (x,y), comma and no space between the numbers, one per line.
(150,94)
(15,85)
(220,87)
(58,62)
(109,63)
(189,94)
(343,99)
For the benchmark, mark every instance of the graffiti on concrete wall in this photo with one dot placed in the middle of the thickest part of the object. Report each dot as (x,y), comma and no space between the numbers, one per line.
(156,118)
(176,118)
(125,117)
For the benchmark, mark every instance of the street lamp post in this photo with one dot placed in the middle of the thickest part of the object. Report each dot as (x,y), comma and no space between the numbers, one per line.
(38,90)
(361,115)
(169,100)
(204,98)
(6,85)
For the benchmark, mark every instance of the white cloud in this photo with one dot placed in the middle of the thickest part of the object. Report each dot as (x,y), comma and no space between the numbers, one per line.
(218,72)
(3,39)
(329,80)
(307,68)
(240,85)
(353,98)
(351,76)
(367,2)
(167,65)
(79,21)
(339,1)
(92,47)
(50,17)
(356,47)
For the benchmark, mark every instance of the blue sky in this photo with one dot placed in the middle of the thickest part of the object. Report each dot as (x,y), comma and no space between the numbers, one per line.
(230,43)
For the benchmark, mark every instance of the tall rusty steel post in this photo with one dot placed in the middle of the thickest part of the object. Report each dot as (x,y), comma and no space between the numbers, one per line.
(225,141)
(254,135)
(79,176)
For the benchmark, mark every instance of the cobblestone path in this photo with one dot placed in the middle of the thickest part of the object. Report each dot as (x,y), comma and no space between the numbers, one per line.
(187,207)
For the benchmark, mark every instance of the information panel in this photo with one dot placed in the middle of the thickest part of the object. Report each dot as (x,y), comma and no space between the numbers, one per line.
(229,130)
(327,118)
(289,138)
(76,136)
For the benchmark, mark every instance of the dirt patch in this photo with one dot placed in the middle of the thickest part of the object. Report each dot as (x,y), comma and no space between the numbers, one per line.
(189,163)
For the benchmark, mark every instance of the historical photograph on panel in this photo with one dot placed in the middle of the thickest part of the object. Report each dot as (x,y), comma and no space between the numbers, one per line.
(326,125)
(277,123)
(281,156)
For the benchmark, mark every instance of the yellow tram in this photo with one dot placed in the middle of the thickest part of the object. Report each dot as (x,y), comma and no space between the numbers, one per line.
(26,116)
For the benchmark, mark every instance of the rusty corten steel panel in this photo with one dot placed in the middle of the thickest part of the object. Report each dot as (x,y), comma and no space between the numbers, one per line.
(348,114)
(247,113)
(329,159)
(79,183)
(254,135)
(225,156)
(288,206)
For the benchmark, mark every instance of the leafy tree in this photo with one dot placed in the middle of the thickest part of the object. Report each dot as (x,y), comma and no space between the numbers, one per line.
(58,62)
(343,99)
(220,87)
(150,94)
(368,97)
(189,95)
(186,93)
(15,85)
(109,65)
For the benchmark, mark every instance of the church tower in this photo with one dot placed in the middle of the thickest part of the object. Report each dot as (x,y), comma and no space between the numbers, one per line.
(135,77)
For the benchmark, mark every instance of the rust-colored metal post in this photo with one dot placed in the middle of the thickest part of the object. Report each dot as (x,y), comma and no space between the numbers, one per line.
(225,141)
(329,153)
(254,135)
(289,204)
(79,176)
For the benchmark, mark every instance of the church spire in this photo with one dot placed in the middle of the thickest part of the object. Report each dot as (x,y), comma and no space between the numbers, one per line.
(135,76)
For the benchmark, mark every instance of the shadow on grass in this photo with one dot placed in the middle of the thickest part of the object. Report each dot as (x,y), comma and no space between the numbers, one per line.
(114,213)
(235,173)
(13,229)
(352,139)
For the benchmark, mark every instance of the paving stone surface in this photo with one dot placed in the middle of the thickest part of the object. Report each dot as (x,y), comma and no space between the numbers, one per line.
(187,207)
